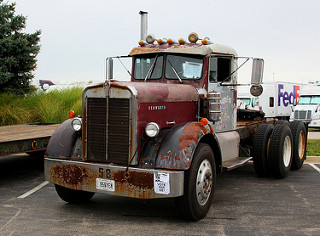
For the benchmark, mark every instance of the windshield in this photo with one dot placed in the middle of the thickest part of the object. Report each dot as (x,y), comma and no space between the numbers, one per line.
(176,67)
(309,100)
(246,100)
(142,67)
(186,67)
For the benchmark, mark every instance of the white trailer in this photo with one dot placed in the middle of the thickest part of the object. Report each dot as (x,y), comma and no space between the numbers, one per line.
(276,101)
(308,108)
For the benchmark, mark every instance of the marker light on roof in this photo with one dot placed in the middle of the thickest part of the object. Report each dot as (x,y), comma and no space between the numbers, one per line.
(193,37)
(205,41)
(150,39)
(141,42)
(181,40)
(161,41)
(169,41)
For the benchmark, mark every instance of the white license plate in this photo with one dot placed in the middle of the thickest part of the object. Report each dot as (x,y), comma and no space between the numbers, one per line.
(105,184)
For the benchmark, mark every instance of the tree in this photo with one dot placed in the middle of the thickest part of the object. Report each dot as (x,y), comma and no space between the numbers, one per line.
(18,51)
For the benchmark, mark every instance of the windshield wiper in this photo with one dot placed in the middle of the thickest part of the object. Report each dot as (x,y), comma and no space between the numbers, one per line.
(151,68)
(174,70)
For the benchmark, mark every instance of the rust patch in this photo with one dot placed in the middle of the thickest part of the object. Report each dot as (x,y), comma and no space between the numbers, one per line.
(191,134)
(118,85)
(134,184)
(73,176)
(138,179)
(139,50)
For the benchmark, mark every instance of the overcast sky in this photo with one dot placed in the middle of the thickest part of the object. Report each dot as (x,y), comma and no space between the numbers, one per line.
(78,35)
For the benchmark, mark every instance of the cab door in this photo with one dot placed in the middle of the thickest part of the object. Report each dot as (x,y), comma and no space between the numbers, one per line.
(222,81)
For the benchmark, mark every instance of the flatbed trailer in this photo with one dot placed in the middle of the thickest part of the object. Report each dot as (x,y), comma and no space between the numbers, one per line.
(29,138)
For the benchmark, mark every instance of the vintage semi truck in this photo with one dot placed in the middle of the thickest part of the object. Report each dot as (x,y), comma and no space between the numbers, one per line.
(169,131)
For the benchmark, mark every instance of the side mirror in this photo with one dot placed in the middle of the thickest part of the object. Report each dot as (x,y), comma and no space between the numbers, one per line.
(109,68)
(256,77)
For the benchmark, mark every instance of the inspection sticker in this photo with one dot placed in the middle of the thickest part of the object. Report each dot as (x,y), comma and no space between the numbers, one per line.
(161,183)
(105,184)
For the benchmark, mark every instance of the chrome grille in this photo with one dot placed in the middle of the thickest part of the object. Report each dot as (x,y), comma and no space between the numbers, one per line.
(302,115)
(108,129)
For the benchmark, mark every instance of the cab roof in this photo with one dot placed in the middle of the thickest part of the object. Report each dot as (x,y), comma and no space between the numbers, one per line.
(186,48)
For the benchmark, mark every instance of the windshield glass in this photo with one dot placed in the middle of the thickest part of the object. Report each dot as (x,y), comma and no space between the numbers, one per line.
(185,67)
(246,100)
(143,65)
(309,100)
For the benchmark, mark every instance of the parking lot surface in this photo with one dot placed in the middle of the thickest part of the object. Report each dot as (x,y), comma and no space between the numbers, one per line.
(243,205)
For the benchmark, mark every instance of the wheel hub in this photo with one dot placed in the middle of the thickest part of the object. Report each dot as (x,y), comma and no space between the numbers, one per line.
(286,151)
(204,182)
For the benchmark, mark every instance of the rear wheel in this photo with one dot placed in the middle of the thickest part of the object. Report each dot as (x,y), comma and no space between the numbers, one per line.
(280,151)
(260,149)
(299,135)
(199,185)
(73,196)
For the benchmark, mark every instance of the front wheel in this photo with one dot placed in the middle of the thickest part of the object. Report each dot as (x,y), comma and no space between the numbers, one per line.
(73,196)
(199,185)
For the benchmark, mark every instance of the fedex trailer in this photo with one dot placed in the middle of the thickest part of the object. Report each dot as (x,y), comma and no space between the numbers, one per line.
(276,101)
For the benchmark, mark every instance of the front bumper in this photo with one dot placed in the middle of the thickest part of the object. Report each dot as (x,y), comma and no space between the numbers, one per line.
(314,124)
(121,181)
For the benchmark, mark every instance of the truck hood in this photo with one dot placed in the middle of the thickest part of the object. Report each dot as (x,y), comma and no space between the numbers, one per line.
(158,92)
(306,107)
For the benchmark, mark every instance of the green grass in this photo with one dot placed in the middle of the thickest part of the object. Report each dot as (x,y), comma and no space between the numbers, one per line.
(313,147)
(50,107)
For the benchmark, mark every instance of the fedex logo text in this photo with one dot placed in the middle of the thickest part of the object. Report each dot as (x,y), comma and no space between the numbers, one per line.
(290,97)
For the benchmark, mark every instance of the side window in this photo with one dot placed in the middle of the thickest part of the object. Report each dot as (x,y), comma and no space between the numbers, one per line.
(213,70)
(220,69)
(254,102)
(271,102)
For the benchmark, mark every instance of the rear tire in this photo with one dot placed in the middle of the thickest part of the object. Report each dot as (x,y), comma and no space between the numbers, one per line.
(199,185)
(299,137)
(282,122)
(280,151)
(260,149)
(73,196)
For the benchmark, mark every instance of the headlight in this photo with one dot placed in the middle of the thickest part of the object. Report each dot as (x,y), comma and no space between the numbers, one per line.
(152,129)
(76,124)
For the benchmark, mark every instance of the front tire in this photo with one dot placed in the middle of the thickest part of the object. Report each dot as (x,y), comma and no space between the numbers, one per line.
(73,196)
(199,185)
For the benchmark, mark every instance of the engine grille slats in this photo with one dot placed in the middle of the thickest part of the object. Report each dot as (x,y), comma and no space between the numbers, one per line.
(302,115)
(118,130)
(108,129)
(96,128)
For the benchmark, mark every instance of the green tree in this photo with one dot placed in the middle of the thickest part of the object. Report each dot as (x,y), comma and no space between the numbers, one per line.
(18,51)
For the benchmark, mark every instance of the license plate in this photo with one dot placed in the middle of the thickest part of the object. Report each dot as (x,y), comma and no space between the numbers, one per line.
(105,184)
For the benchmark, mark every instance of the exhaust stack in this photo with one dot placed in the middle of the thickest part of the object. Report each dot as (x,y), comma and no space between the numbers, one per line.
(144,25)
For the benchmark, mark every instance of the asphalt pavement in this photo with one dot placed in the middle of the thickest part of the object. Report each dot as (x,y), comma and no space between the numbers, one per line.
(243,205)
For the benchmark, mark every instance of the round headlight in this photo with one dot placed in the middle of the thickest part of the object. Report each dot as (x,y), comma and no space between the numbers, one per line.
(152,129)
(77,124)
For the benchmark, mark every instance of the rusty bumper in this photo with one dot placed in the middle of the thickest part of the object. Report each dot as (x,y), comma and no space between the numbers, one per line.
(114,179)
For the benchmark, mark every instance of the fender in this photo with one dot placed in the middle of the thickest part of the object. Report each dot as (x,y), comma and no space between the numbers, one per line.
(179,144)
(62,141)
